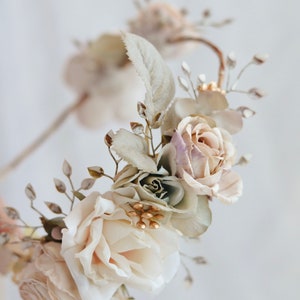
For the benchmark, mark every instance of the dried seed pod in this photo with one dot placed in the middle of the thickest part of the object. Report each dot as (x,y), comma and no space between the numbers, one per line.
(108,139)
(231,60)
(137,128)
(183,83)
(260,59)
(186,68)
(55,208)
(87,183)
(30,193)
(96,172)
(12,213)
(256,93)
(141,108)
(246,111)
(67,169)
(59,185)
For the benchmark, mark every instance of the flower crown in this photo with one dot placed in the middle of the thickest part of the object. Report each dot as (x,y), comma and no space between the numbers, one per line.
(168,167)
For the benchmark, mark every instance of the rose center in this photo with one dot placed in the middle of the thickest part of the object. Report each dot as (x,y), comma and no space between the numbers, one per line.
(155,186)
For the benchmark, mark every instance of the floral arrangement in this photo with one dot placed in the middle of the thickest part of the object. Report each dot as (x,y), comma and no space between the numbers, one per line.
(168,167)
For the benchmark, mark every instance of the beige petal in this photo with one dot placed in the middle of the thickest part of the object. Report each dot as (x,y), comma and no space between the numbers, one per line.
(108,49)
(193,225)
(230,187)
(210,101)
(230,120)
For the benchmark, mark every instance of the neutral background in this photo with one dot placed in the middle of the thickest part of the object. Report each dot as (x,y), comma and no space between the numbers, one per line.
(253,246)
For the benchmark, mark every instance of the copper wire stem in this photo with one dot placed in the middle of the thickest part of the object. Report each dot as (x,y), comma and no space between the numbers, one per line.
(211,45)
(42,138)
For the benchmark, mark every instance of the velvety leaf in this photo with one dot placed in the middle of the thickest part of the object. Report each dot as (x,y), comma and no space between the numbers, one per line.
(157,77)
(133,149)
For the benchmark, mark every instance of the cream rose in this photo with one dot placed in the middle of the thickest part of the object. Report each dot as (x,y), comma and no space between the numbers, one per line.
(204,157)
(103,250)
(47,276)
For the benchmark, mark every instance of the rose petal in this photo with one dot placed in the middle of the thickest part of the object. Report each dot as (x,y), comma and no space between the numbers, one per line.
(210,101)
(196,224)
(230,187)
(230,120)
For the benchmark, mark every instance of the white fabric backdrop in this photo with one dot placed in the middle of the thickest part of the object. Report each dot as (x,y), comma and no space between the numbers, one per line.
(252,247)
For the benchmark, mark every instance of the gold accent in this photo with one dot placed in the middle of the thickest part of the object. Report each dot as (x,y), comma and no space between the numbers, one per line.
(147,215)
(154,225)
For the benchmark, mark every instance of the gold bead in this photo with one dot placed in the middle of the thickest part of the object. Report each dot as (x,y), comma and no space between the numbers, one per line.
(138,206)
(141,225)
(154,208)
(147,215)
(132,213)
(159,217)
(154,225)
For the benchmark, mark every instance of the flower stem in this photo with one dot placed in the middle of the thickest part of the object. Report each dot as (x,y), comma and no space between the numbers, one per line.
(234,85)
(216,49)
(42,138)
(149,136)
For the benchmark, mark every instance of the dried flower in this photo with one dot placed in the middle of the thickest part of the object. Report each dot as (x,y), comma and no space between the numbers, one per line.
(158,23)
(161,186)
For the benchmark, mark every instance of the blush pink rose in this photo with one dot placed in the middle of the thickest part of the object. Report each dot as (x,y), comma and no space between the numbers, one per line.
(47,277)
(204,157)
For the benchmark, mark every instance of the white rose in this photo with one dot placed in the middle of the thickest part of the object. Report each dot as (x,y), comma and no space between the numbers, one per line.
(104,250)
(47,276)
(204,157)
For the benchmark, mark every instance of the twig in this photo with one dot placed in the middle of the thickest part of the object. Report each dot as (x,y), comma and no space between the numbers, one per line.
(42,138)
(216,49)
